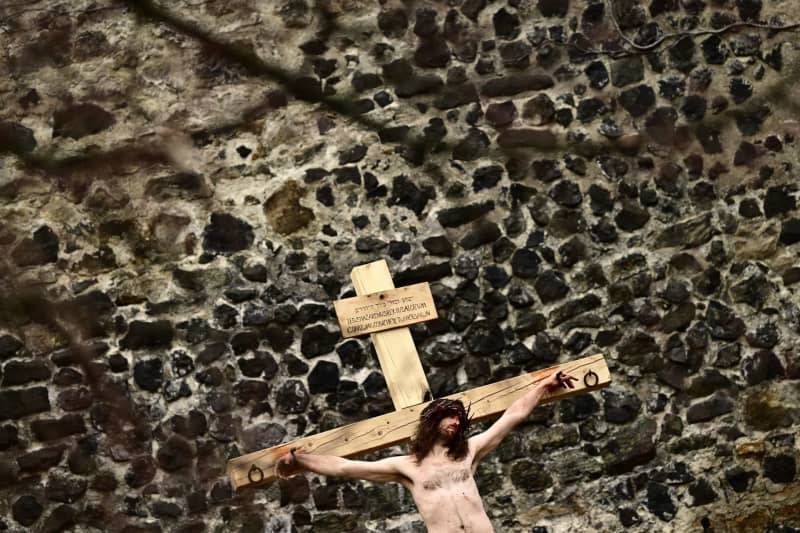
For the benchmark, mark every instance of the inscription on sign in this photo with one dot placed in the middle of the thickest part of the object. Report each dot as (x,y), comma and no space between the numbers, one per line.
(390,309)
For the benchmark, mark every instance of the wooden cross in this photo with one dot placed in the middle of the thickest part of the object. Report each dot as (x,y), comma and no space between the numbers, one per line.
(385,313)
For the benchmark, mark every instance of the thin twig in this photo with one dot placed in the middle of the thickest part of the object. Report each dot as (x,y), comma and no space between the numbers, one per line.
(696,33)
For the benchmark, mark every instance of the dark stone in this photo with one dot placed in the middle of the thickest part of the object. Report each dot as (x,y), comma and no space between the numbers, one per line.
(227,234)
(456,96)
(244,341)
(429,273)
(149,374)
(482,232)
(702,493)
(740,90)
(708,409)
(417,85)
(633,445)
(75,399)
(352,354)
(542,138)
(323,378)
(23,402)
(745,154)
(539,110)
(546,170)
(762,366)
(714,50)
(318,340)
(486,177)
(790,232)
(620,408)
(708,382)
(393,22)
(458,216)
(566,193)
(9,437)
(672,87)
(634,347)
(515,84)
(506,24)
(551,286)
(739,479)
(473,146)
(64,488)
(631,217)
(176,453)
(598,74)
(574,308)
(294,490)
(264,435)
(432,53)
(16,138)
(525,263)
(41,459)
(627,70)
(26,510)
(405,193)
(780,468)
(749,9)
(141,471)
(660,125)
(58,428)
(682,54)
(21,372)
(39,250)
(515,54)
(778,200)
(601,199)
(80,120)
(292,397)
(501,115)
(183,185)
(766,336)
(723,323)
(365,81)
(484,337)
(553,8)
(689,233)
(546,347)
(709,139)
(166,510)
(9,346)
(638,100)
(529,476)
(659,501)
(62,518)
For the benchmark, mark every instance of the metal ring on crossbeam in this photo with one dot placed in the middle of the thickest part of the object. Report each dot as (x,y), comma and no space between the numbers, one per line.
(586,378)
(255,470)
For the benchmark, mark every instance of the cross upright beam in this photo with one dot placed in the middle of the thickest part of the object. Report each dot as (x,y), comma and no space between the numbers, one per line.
(398,357)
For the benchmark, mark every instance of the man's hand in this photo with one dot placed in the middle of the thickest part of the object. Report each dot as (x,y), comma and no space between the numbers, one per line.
(288,465)
(557,381)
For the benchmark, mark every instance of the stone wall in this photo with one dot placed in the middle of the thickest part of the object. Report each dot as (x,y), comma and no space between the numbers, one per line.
(185,187)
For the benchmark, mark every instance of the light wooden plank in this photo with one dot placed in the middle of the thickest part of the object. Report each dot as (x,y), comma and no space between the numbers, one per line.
(393,428)
(398,357)
(385,310)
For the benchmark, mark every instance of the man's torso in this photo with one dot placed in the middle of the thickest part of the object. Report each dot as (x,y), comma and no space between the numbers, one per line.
(446,494)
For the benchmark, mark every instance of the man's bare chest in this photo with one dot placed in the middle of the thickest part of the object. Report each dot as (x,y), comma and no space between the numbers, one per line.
(444,476)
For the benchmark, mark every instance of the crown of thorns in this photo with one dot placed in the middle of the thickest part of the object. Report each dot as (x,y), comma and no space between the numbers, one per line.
(443,406)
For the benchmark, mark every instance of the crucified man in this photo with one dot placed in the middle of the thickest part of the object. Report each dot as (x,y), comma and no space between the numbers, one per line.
(439,471)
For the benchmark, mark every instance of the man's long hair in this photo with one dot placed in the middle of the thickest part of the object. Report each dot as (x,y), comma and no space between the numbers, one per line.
(428,429)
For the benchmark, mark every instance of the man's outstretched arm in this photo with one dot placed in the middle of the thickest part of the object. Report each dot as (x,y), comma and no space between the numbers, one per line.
(384,470)
(518,411)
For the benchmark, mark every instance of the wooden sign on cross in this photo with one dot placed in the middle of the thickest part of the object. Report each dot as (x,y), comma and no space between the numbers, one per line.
(385,313)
